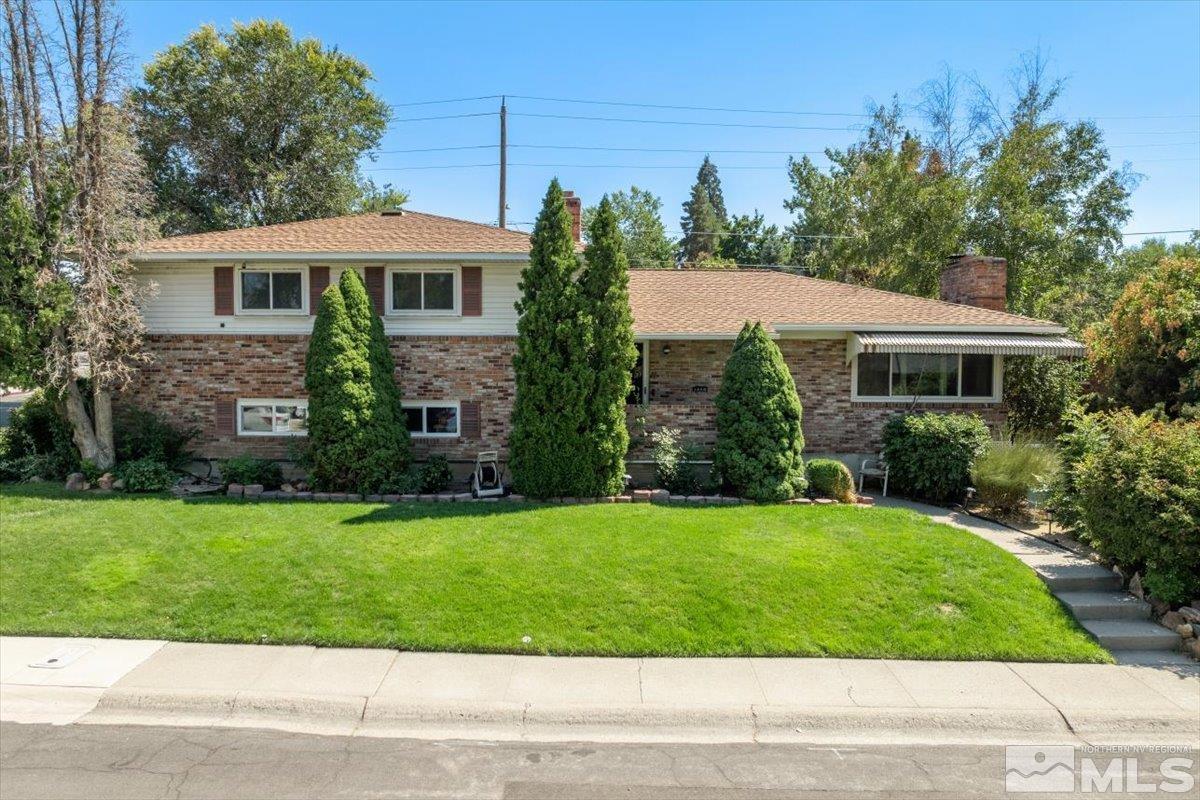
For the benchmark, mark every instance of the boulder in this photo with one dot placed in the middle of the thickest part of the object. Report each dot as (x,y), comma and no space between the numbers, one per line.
(660,496)
(1190,614)
(1171,620)
(106,481)
(252,489)
(1135,586)
(1186,630)
(235,490)
(75,482)
(641,495)
(119,485)
(287,487)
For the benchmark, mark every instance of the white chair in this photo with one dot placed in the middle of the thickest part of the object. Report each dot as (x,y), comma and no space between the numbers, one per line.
(873,468)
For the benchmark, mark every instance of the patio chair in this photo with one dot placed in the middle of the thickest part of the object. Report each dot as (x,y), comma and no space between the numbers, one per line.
(873,468)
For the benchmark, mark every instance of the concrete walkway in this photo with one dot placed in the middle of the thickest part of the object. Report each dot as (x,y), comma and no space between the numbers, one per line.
(447,695)
(1093,593)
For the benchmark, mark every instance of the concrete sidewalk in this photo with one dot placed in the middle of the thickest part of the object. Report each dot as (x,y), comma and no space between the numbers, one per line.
(446,695)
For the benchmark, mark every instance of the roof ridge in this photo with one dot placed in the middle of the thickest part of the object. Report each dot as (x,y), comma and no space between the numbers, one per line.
(484,225)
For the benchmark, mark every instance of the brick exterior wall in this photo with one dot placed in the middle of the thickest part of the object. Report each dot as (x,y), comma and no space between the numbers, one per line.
(975,281)
(191,373)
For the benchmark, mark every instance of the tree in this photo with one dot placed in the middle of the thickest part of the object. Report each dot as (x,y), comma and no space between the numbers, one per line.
(644,238)
(604,287)
(553,373)
(378,198)
(1039,391)
(386,447)
(337,377)
(1146,354)
(704,216)
(885,214)
(86,168)
(252,127)
(751,242)
(759,440)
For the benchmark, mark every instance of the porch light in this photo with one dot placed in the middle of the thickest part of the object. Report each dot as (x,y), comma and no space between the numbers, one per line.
(666,351)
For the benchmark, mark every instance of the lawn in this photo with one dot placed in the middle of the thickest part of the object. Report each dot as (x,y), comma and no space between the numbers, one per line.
(599,579)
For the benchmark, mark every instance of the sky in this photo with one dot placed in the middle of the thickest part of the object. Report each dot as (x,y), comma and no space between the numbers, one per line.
(1134,68)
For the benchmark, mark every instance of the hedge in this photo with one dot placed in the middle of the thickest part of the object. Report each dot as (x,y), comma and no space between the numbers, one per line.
(930,455)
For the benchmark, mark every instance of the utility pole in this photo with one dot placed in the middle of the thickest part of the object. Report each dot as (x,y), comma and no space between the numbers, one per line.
(503,160)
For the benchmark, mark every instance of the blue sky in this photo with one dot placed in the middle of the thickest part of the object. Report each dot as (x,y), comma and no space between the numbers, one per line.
(1134,67)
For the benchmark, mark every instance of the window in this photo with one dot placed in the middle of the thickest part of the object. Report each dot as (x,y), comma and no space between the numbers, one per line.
(271,290)
(927,376)
(639,384)
(432,419)
(416,291)
(272,418)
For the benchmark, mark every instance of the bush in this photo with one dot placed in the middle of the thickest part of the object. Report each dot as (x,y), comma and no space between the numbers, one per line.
(759,440)
(248,469)
(929,455)
(435,475)
(1082,436)
(1006,472)
(828,477)
(671,468)
(37,442)
(145,475)
(1039,391)
(143,434)
(1139,496)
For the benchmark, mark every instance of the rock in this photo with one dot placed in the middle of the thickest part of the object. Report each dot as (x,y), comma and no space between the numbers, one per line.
(1159,607)
(187,480)
(427,498)
(354,498)
(304,495)
(624,498)
(287,487)
(105,481)
(445,497)
(1135,586)
(463,497)
(824,501)
(75,482)
(119,485)
(863,500)
(253,489)
(302,486)
(235,490)
(517,498)
(1192,648)
(712,499)
(677,499)
(408,498)
(642,495)
(659,496)
(1190,614)
(1186,630)
(695,498)
(1171,620)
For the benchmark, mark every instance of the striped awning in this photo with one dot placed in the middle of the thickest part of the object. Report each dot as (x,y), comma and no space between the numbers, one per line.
(1003,344)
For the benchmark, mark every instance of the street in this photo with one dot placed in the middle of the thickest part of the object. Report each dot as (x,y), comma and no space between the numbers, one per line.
(94,761)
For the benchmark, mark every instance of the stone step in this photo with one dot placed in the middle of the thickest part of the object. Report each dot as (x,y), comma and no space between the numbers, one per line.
(1105,605)
(1157,658)
(1131,634)
(1066,573)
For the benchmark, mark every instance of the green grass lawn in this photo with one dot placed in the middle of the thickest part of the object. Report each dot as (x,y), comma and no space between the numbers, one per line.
(599,579)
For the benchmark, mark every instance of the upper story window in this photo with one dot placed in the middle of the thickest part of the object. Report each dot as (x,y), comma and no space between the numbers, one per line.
(271,291)
(416,291)
(969,377)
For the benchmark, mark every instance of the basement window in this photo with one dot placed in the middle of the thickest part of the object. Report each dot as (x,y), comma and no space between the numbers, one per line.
(433,419)
(272,417)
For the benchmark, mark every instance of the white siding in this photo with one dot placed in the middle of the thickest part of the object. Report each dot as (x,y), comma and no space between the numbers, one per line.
(183,303)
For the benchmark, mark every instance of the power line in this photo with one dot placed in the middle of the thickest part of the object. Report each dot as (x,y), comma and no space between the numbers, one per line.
(446,116)
(691,108)
(440,102)
(1152,233)
(664,149)
(436,149)
(684,122)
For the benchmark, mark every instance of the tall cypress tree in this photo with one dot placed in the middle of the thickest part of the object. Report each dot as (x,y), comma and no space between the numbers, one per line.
(759,440)
(387,445)
(604,285)
(549,417)
(337,377)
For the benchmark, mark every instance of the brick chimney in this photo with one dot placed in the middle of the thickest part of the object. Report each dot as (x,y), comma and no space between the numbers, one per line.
(575,206)
(975,281)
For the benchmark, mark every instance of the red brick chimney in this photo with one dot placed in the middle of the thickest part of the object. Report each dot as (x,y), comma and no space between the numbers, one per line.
(575,206)
(975,281)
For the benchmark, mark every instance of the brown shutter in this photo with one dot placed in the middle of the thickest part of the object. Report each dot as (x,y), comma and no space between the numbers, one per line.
(470,419)
(375,288)
(318,282)
(225,410)
(223,291)
(472,291)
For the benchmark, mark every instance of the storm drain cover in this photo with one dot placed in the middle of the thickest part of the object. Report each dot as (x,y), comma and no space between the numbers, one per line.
(62,657)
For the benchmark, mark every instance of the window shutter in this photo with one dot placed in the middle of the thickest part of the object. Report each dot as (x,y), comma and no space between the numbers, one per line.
(375,288)
(225,411)
(472,291)
(318,282)
(223,291)
(470,419)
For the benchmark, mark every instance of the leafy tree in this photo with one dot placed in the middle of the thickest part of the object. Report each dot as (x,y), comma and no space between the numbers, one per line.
(604,287)
(759,440)
(1146,354)
(704,216)
(337,377)
(378,198)
(702,228)
(885,214)
(547,445)
(752,242)
(252,127)
(1039,391)
(644,239)
(387,449)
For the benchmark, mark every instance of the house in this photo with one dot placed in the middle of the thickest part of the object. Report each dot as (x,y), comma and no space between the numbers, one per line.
(228,328)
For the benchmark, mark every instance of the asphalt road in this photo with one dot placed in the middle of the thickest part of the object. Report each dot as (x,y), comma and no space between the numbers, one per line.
(128,762)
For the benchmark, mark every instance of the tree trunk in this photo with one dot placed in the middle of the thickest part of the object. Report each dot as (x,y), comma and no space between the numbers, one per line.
(94,439)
